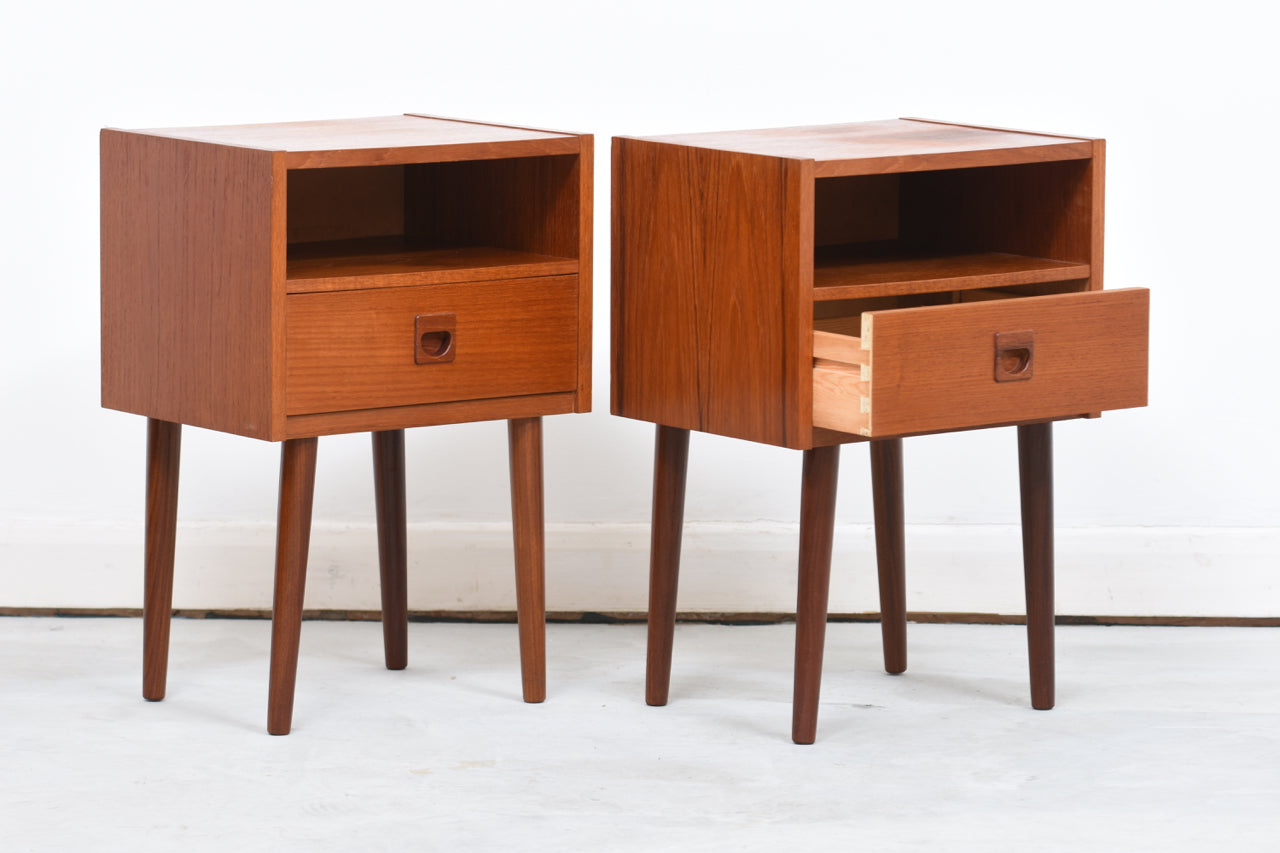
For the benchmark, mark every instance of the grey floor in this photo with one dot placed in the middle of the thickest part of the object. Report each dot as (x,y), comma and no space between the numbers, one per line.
(1163,739)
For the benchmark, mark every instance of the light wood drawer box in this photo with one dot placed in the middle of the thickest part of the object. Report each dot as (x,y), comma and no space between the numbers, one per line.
(913,370)
(364,349)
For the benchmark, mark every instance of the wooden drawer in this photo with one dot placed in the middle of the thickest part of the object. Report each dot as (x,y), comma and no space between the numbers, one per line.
(941,367)
(398,346)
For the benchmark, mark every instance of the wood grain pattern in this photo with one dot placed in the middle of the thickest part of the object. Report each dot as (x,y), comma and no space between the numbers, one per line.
(1040,210)
(1035,474)
(380,140)
(931,368)
(393,549)
(670,468)
(841,347)
(584,177)
(293,538)
(355,349)
(817,529)
(841,397)
(187,282)
(390,262)
(891,550)
(1096,180)
(796,311)
(855,209)
(429,414)
(705,339)
(265,280)
(617,258)
(895,145)
(528,204)
(164,449)
(852,275)
(525,443)
(344,204)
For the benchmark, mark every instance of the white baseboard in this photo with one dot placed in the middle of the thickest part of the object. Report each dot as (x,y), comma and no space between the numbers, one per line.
(735,568)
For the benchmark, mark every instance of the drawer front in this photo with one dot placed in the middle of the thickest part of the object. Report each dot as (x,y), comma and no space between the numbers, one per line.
(366,349)
(946,367)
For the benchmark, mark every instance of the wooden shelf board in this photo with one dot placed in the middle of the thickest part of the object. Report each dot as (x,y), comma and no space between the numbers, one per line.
(390,262)
(857,272)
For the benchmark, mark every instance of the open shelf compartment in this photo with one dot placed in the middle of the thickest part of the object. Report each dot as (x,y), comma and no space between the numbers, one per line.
(952,229)
(431,223)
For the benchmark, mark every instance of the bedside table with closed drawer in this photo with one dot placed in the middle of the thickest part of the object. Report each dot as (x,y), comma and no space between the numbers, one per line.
(288,281)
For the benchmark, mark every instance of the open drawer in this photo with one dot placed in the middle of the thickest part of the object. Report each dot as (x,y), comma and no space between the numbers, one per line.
(941,367)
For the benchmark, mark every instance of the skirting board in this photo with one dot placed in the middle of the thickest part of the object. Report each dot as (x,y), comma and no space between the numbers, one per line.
(726,568)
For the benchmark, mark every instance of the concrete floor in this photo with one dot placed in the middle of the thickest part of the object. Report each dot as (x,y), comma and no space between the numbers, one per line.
(1163,739)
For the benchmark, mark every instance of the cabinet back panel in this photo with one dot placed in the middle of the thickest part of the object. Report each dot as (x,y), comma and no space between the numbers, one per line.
(856,209)
(345,203)
(526,203)
(1041,209)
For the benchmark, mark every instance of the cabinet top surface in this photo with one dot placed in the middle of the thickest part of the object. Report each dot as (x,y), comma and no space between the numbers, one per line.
(382,132)
(892,140)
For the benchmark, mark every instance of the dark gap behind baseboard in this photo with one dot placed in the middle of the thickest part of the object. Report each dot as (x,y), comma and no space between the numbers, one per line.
(591,617)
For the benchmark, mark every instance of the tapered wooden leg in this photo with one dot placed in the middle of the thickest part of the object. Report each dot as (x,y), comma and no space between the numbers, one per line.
(525,438)
(817,527)
(1035,469)
(670,464)
(393,554)
(293,536)
(891,559)
(164,445)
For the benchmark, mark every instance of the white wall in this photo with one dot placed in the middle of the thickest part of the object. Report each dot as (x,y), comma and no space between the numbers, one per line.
(1171,509)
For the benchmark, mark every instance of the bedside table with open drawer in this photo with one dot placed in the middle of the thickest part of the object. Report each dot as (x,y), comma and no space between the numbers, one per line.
(813,286)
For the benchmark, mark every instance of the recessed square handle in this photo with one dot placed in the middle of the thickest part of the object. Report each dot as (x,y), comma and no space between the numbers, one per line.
(434,338)
(1015,355)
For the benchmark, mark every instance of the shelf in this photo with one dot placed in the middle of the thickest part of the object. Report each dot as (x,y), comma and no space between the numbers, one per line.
(391,262)
(859,271)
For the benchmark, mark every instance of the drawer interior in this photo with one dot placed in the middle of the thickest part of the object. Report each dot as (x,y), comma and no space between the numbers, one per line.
(364,226)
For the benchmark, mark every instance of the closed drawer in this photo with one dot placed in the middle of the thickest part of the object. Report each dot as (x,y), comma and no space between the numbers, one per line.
(941,367)
(398,346)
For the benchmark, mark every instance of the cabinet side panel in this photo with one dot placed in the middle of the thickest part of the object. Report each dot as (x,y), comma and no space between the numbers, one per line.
(1097,200)
(583,178)
(186,282)
(655,355)
(796,311)
(702,290)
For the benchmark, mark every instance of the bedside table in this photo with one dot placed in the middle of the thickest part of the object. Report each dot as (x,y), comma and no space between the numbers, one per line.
(287,281)
(814,286)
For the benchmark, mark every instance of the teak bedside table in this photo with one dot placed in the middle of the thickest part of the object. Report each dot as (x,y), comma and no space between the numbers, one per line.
(809,287)
(287,281)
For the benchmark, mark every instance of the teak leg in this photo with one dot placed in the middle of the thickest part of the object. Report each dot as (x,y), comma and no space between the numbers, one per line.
(525,439)
(670,464)
(1035,471)
(293,534)
(164,445)
(393,557)
(817,527)
(886,490)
